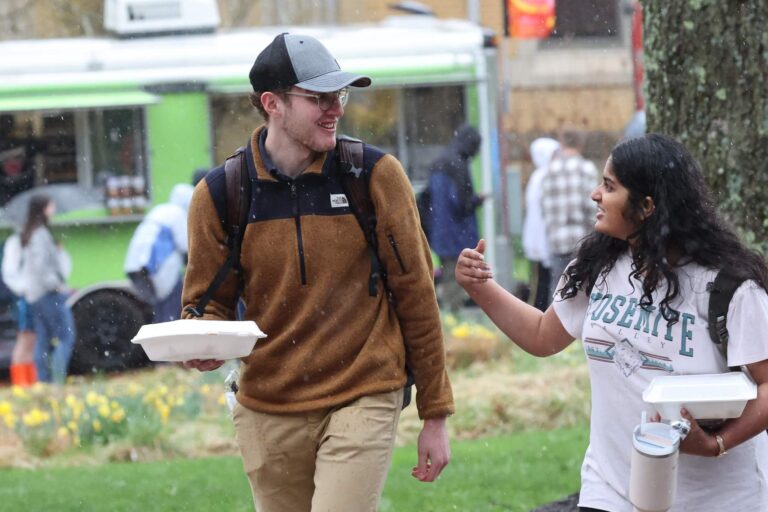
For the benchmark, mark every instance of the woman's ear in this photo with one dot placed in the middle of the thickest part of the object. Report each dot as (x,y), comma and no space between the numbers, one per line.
(648,207)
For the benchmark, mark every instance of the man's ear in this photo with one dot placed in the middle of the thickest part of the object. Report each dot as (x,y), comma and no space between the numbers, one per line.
(647,206)
(272,104)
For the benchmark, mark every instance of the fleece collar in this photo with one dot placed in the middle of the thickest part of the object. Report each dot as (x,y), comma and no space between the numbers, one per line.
(261,166)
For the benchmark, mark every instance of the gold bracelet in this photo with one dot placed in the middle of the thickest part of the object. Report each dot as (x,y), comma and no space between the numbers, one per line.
(720,445)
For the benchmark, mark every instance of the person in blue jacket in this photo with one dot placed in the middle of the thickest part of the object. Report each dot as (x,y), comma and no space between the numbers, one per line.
(452,222)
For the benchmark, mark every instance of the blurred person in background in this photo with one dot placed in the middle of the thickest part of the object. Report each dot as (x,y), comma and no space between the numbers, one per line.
(23,372)
(535,244)
(45,268)
(452,222)
(17,154)
(565,204)
(157,254)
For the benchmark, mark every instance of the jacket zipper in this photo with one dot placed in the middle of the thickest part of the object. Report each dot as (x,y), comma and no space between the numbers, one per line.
(299,239)
(393,243)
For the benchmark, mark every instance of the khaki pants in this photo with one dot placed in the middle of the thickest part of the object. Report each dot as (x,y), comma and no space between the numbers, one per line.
(334,460)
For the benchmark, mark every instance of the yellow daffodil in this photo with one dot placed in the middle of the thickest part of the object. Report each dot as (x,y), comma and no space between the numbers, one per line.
(483,332)
(63,432)
(10,420)
(5,408)
(35,418)
(92,398)
(104,411)
(118,416)
(205,389)
(164,412)
(96,424)
(19,392)
(460,331)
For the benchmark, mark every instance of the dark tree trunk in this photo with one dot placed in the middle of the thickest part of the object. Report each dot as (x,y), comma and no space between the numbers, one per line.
(706,67)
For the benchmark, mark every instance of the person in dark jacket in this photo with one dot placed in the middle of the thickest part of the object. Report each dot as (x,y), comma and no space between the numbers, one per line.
(452,224)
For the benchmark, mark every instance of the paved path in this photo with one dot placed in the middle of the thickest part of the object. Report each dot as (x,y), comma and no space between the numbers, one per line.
(567,504)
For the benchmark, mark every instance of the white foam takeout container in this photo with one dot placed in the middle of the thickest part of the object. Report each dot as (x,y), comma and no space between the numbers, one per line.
(716,396)
(182,340)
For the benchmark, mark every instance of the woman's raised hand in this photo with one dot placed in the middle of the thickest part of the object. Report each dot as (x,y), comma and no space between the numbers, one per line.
(471,268)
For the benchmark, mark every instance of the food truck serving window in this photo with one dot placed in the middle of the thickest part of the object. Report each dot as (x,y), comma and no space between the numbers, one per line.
(88,148)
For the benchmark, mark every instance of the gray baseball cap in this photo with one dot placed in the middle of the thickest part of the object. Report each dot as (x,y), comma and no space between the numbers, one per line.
(302,61)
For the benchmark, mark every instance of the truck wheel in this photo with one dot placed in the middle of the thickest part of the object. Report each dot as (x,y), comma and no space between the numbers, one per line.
(105,322)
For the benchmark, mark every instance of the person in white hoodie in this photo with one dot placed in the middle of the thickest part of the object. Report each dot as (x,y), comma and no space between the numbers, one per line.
(535,243)
(157,254)
(45,267)
(22,370)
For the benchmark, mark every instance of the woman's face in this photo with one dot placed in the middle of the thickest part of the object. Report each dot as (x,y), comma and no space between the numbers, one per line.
(612,200)
(50,210)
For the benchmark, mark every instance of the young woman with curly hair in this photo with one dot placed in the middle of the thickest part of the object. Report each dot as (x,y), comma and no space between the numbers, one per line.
(637,296)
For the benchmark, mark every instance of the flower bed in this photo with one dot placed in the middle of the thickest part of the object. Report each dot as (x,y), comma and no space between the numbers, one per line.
(170,412)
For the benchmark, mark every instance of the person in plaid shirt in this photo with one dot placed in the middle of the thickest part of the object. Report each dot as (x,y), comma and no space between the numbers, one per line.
(568,211)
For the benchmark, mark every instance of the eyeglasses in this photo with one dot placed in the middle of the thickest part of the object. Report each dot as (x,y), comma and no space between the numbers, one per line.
(326,100)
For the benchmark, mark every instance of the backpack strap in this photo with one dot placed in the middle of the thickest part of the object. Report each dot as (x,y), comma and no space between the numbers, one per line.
(238,200)
(721,292)
(355,180)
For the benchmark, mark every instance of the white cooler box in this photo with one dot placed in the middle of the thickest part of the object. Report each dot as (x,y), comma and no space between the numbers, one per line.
(182,340)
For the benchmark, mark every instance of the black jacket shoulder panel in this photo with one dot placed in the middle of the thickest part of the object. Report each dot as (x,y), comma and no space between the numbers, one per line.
(371,156)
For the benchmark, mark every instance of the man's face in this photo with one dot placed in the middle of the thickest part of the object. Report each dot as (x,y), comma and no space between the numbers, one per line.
(307,123)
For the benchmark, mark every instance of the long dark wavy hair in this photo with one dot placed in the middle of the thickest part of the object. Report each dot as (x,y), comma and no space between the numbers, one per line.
(36,217)
(684,223)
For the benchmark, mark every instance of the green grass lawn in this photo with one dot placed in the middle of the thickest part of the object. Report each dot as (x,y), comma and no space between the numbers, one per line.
(512,473)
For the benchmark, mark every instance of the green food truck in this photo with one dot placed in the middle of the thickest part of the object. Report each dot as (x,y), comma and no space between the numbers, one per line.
(109,125)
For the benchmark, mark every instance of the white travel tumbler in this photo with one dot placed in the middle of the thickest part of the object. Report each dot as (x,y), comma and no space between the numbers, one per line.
(653,474)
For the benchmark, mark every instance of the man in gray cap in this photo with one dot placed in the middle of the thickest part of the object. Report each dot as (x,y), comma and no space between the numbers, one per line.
(319,399)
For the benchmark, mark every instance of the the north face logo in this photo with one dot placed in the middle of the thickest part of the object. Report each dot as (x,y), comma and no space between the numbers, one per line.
(339,201)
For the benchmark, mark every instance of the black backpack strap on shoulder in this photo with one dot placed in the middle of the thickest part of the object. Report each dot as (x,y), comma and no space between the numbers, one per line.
(238,190)
(721,292)
(355,181)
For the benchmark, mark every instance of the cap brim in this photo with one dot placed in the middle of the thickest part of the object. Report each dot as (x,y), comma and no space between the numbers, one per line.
(334,81)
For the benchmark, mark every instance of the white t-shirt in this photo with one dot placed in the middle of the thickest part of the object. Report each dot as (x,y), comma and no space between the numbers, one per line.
(627,347)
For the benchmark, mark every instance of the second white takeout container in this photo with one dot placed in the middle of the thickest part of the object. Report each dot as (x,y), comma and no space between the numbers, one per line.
(182,340)
(716,396)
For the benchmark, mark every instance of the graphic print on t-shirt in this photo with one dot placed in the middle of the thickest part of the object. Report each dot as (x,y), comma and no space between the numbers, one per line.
(626,357)
(636,337)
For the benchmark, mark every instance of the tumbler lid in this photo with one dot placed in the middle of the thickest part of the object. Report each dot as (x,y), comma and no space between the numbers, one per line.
(656,439)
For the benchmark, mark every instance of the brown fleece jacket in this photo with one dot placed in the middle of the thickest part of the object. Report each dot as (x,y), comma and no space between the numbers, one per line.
(306,286)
